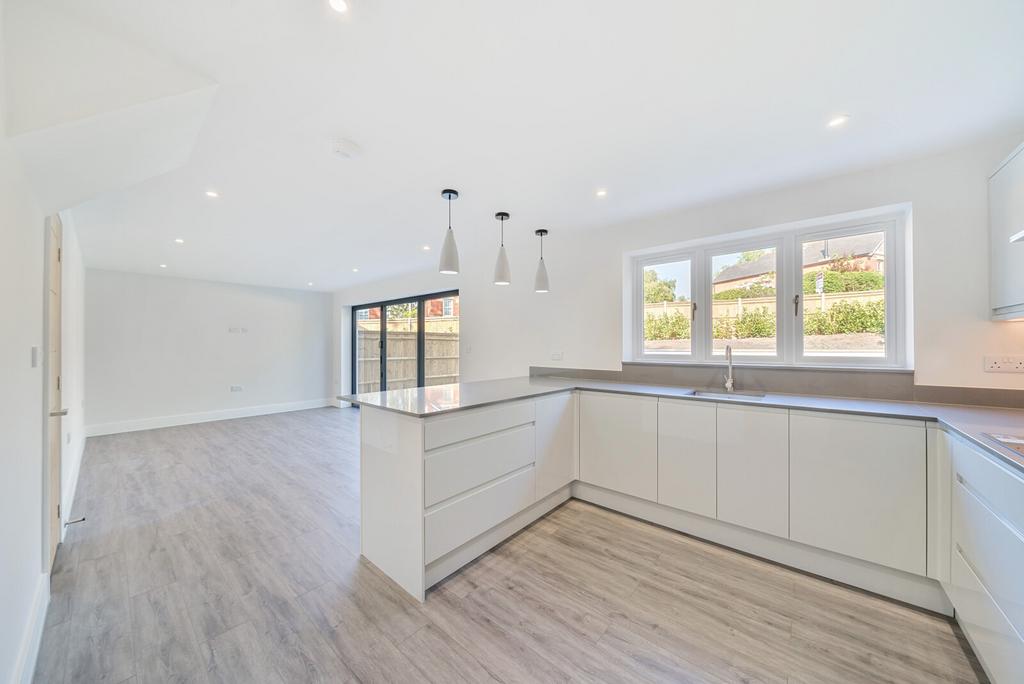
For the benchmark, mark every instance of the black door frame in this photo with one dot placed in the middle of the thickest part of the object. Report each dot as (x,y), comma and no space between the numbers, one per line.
(419,300)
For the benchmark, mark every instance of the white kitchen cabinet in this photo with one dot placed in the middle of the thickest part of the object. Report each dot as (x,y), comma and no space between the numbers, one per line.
(753,468)
(858,486)
(1006,219)
(988,528)
(619,443)
(556,442)
(687,456)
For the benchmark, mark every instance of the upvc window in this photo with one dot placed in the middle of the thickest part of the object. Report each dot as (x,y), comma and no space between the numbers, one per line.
(819,294)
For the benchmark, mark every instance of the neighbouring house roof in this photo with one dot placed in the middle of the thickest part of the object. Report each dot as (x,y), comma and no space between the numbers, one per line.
(813,253)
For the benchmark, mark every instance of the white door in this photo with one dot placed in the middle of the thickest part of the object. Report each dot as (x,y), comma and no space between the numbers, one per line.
(687,456)
(556,446)
(858,487)
(619,443)
(753,468)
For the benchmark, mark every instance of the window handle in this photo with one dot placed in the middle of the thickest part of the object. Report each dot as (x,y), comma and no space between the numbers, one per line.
(796,305)
(693,310)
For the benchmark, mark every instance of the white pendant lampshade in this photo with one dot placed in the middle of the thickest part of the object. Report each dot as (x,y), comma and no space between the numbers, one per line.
(502,272)
(449,263)
(540,281)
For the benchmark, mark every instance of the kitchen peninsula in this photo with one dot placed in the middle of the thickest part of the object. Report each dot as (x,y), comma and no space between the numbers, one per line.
(881,495)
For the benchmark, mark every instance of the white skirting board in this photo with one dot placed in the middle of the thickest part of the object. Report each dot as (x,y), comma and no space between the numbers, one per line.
(28,651)
(205,417)
(895,584)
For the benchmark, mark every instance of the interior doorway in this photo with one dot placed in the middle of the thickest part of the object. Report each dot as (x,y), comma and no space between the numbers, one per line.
(56,412)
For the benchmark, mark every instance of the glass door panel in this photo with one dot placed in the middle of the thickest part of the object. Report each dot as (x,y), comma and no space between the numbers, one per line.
(441,340)
(368,348)
(402,345)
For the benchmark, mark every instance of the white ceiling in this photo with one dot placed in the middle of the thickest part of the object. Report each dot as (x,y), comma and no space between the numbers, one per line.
(525,106)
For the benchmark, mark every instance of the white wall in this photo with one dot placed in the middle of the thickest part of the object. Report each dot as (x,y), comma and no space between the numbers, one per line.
(72,360)
(23,587)
(507,329)
(165,351)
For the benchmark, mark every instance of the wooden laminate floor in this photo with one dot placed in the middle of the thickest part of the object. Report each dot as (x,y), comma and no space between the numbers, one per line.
(228,552)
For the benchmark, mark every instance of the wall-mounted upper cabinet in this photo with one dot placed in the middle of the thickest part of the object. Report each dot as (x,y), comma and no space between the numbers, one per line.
(1006,237)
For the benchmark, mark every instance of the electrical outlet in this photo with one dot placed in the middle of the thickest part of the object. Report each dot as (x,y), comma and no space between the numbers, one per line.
(1004,364)
(236,388)
(556,356)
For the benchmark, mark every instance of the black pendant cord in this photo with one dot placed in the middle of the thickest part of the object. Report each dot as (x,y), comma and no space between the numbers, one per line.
(449,212)
(502,232)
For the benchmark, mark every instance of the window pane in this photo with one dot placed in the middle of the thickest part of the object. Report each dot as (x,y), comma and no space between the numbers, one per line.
(441,341)
(402,356)
(368,350)
(667,307)
(743,305)
(844,296)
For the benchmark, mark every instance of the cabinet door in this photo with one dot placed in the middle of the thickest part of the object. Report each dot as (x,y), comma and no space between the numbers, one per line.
(753,468)
(1006,218)
(858,487)
(619,443)
(687,458)
(556,443)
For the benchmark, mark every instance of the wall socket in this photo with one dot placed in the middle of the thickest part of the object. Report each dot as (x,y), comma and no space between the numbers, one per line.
(236,388)
(1004,364)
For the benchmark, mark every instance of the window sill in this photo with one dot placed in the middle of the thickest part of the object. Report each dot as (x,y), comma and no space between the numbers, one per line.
(771,366)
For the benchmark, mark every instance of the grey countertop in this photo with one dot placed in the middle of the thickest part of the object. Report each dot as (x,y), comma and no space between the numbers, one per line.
(970,422)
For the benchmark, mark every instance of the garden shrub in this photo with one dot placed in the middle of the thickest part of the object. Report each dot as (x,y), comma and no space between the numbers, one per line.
(672,326)
(845,281)
(755,323)
(845,318)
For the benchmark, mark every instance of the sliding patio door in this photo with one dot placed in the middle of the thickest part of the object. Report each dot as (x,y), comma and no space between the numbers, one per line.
(404,343)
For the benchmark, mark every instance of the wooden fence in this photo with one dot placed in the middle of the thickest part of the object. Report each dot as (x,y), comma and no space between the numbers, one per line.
(733,308)
(441,355)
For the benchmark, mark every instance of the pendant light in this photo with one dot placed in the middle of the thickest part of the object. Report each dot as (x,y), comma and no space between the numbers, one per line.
(449,252)
(502,273)
(540,281)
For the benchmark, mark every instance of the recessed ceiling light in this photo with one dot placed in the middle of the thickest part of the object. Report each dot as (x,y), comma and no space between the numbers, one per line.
(601,193)
(426,248)
(310,284)
(179,241)
(163,265)
(338,5)
(212,193)
(838,120)
(355,270)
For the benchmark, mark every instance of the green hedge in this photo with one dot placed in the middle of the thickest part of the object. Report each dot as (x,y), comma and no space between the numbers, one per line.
(842,318)
(753,290)
(672,326)
(835,281)
(845,281)
(846,317)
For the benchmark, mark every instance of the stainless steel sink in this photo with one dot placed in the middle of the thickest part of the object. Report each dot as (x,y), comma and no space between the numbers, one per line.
(735,396)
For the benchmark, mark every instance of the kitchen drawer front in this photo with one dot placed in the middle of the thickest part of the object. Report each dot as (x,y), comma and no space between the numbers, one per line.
(460,467)
(454,523)
(1000,488)
(993,549)
(445,430)
(998,647)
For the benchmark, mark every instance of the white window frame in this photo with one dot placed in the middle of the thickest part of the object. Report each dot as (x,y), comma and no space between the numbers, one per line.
(638,304)
(787,241)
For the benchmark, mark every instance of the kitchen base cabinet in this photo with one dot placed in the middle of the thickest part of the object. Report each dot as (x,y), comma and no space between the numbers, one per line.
(988,559)
(687,456)
(858,487)
(619,443)
(753,468)
(556,442)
